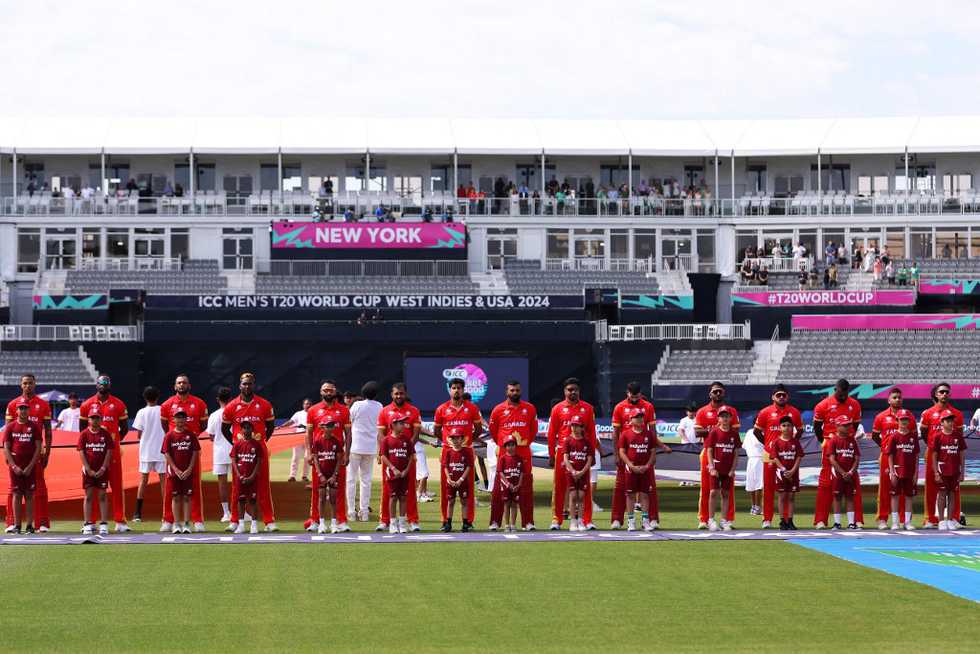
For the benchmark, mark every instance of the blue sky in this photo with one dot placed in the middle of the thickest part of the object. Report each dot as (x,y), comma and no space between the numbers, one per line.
(472,58)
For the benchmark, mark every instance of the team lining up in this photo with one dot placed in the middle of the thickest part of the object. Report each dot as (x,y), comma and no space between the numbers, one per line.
(247,420)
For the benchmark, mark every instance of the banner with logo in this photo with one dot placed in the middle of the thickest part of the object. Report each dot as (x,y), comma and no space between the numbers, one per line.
(822,322)
(685,302)
(261,303)
(71,302)
(370,236)
(824,298)
(949,286)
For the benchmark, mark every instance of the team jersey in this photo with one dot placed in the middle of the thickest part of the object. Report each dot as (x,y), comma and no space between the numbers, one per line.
(707,417)
(397,451)
(886,424)
(455,462)
(257,411)
(326,454)
(180,445)
(112,410)
(845,450)
(95,445)
(768,419)
(559,427)
(786,452)
(578,451)
(38,411)
(948,450)
(466,416)
(930,420)
(23,438)
(246,454)
(510,467)
(335,411)
(519,420)
(829,409)
(388,414)
(195,408)
(623,413)
(904,449)
(638,446)
(724,448)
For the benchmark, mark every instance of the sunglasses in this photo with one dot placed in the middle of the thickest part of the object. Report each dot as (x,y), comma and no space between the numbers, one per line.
(942,391)
(780,395)
(715,391)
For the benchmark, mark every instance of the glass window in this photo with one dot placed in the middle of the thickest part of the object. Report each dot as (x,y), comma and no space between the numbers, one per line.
(895,242)
(808,237)
(34,175)
(267,177)
(91,245)
(117,175)
(439,179)
(28,249)
(872,184)
(613,175)
(787,185)
(756,178)
(975,243)
(557,243)
(920,243)
(743,241)
(206,180)
(590,242)
(834,177)
(464,172)
(95,175)
(117,242)
(706,247)
(645,243)
(951,242)
(180,243)
(292,178)
(835,236)
(619,244)
(693,176)
(956,184)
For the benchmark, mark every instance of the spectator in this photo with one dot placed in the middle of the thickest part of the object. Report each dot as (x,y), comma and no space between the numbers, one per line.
(947,252)
(890,273)
(856,259)
(178,191)
(803,279)
(914,274)
(461,192)
(903,275)
(362,319)
(763,277)
(814,278)
(841,253)
(427,215)
(746,271)
(832,275)
(826,278)
(131,185)
(829,253)
(168,190)
(877,269)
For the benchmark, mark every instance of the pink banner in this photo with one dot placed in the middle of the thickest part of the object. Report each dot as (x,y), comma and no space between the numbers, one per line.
(371,236)
(823,298)
(924,392)
(964,321)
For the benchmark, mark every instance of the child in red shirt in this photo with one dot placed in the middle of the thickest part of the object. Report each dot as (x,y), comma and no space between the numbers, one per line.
(326,454)
(510,475)
(181,449)
(721,446)
(637,450)
(578,460)
(457,468)
(786,453)
(22,449)
(95,447)
(246,460)
(947,467)
(844,459)
(903,467)
(396,460)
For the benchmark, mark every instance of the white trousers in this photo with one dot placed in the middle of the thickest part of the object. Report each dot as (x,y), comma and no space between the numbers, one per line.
(359,469)
(299,456)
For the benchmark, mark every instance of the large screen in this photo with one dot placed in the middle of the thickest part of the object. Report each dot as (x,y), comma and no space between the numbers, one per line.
(485,378)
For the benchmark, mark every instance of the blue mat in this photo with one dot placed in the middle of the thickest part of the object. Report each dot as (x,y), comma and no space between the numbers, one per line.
(951,564)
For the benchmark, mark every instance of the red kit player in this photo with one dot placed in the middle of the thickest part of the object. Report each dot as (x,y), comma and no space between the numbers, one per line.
(902,461)
(844,456)
(621,415)
(38,413)
(246,463)
(457,470)
(578,459)
(636,451)
(327,453)
(509,481)
(22,448)
(182,450)
(825,416)
(786,454)
(947,468)
(559,428)
(95,448)
(721,448)
(704,421)
(115,420)
(768,427)
(515,418)
(400,407)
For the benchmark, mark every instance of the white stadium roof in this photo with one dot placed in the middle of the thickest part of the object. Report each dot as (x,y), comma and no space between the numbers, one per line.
(428,136)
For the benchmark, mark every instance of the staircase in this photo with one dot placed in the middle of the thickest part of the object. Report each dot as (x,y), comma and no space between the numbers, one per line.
(52,282)
(768,357)
(87,362)
(491,282)
(674,282)
(240,282)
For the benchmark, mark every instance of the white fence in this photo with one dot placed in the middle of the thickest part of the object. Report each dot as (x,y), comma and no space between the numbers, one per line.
(71,333)
(676,332)
(368,268)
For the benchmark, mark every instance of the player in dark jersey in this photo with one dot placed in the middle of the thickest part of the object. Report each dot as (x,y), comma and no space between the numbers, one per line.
(721,449)
(246,463)
(95,448)
(457,469)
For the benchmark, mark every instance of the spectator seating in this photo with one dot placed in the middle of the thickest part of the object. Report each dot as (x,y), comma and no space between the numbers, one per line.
(50,367)
(405,284)
(196,276)
(882,356)
(782,281)
(525,277)
(707,365)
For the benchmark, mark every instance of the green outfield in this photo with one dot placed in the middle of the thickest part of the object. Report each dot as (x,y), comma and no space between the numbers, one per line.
(666,596)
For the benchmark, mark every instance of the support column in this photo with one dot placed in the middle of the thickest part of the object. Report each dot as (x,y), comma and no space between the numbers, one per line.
(192,179)
(733,182)
(102,180)
(455,172)
(715,195)
(907,175)
(629,188)
(819,175)
(542,176)
(279,167)
(13,175)
(367,170)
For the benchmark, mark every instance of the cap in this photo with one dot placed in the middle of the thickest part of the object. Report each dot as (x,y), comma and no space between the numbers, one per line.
(842,420)
(94,414)
(23,404)
(180,412)
(399,417)
(637,414)
(786,419)
(725,409)
(905,414)
(947,414)
(329,420)
(510,440)
(103,380)
(576,420)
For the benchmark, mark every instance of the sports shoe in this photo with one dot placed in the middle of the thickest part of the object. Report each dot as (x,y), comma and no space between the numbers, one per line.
(186,529)
(270,527)
(631,525)
(467,526)
(836,526)
(616,524)
(122,528)
(423,497)
(852,525)
(176,529)
(702,525)
(166,526)
(821,525)
(929,525)
(393,529)
(712,525)
(362,516)
(254,529)
(882,525)
(10,530)
(137,517)
(727,526)
(238,528)
(909,526)
(342,528)
(44,529)
(312,526)
(291,480)
(646,525)
(493,526)
(895,526)
(29,529)
(447,526)
(381,527)
(87,530)
(306,480)
(225,518)
(963,519)
(573,525)
(199,527)
(860,525)
(335,529)
(589,527)
(554,526)
(402,529)
(530,527)
(754,510)
(414,526)
(767,524)
(596,508)
(782,524)
(791,525)
(953,525)
(943,526)
(320,529)
(654,525)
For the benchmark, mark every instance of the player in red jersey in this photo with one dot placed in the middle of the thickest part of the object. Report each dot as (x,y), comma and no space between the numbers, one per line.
(767,428)
(884,426)
(721,447)
(636,451)
(249,407)
(182,450)
(947,467)
(508,482)
(825,415)
(39,414)
(578,459)
(197,423)
(621,415)
(786,454)
(400,406)
(246,457)
(705,420)
(115,420)
(844,456)
(559,428)
(462,414)
(929,427)
(22,448)
(327,453)
(902,460)
(95,449)
(397,454)
(518,418)
(329,407)
(458,467)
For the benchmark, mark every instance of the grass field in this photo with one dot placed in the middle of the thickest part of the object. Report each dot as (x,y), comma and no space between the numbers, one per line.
(664,596)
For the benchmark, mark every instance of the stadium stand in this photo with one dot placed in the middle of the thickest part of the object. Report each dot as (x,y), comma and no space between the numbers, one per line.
(525,276)
(195,276)
(50,366)
(350,284)
(907,356)
(706,365)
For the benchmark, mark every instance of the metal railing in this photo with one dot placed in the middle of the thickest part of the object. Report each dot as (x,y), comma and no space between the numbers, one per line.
(598,264)
(368,268)
(125,263)
(71,333)
(681,332)
(4,295)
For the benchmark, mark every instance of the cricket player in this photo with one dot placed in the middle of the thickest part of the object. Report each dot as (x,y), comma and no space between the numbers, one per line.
(559,428)
(929,428)
(197,423)
(884,427)
(902,460)
(825,415)
(515,418)
(766,430)
(458,472)
(39,413)
(115,420)
(621,416)
(721,450)
(705,420)
(329,407)
(786,455)
(947,468)
(399,407)
(458,414)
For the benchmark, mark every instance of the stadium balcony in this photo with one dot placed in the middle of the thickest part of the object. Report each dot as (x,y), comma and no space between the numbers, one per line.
(573,276)
(364,277)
